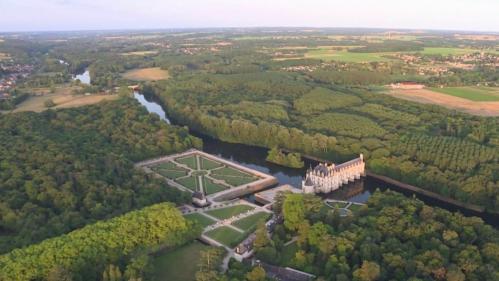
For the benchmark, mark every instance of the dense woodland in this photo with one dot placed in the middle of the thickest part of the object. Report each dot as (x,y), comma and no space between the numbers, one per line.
(392,238)
(97,251)
(60,170)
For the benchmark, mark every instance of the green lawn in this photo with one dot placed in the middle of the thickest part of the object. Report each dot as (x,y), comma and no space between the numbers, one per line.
(288,253)
(211,187)
(235,180)
(207,164)
(249,223)
(189,182)
(338,204)
(232,176)
(179,264)
(168,166)
(190,161)
(228,212)
(355,208)
(201,219)
(171,174)
(471,93)
(226,235)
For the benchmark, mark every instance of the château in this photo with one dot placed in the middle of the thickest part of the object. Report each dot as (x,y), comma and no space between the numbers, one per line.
(325,178)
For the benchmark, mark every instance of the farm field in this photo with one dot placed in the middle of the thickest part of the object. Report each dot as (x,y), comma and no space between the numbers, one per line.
(471,93)
(4,56)
(226,235)
(63,98)
(450,51)
(140,53)
(345,56)
(250,222)
(201,219)
(146,74)
(180,264)
(225,213)
(427,96)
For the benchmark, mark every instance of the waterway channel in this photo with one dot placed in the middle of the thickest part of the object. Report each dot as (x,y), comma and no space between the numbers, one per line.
(254,158)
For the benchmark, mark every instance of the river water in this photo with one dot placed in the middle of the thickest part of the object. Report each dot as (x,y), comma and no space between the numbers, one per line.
(254,158)
(83,77)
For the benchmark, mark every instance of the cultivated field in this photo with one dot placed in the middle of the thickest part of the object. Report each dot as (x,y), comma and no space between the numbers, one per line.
(483,108)
(62,98)
(471,93)
(449,51)
(140,53)
(147,74)
(4,56)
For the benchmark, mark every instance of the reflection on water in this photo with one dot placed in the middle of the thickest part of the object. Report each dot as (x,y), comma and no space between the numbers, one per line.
(83,77)
(151,106)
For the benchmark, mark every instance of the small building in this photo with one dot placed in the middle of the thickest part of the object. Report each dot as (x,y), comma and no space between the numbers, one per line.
(407,86)
(245,249)
(199,199)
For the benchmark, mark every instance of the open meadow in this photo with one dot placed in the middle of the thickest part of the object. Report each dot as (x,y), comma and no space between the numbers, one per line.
(146,74)
(62,98)
(428,96)
(179,264)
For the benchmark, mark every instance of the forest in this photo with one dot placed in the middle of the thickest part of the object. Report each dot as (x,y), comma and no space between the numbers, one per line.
(60,170)
(391,238)
(96,251)
(450,153)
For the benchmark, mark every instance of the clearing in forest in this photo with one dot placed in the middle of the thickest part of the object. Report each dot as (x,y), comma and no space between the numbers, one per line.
(147,74)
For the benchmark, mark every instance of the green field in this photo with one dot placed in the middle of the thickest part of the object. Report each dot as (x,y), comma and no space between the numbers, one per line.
(180,264)
(204,221)
(228,212)
(249,223)
(345,56)
(226,235)
(355,208)
(190,161)
(448,51)
(471,93)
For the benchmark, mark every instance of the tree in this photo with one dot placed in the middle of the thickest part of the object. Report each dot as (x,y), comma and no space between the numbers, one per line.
(369,271)
(262,238)
(257,274)
(293,211)
(59,273)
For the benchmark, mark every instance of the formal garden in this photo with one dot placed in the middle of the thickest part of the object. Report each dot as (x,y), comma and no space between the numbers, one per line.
(197,172)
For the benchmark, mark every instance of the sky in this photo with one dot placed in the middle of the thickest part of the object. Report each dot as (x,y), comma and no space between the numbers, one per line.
(56,15)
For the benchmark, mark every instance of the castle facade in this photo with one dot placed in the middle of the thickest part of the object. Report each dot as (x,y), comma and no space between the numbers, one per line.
(325,178)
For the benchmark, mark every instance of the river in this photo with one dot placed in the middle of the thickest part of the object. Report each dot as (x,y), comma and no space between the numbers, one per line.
(84,77)
(254,158)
